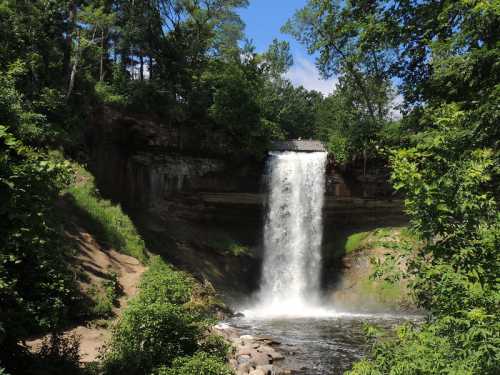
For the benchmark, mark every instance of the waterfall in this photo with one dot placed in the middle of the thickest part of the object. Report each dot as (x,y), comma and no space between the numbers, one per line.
(292,234)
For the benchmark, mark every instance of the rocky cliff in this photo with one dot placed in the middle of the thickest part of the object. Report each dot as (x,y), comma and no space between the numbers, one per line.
(205,212)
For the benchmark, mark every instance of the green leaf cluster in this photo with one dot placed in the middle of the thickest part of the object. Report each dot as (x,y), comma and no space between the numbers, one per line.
(36,287)
(162,329)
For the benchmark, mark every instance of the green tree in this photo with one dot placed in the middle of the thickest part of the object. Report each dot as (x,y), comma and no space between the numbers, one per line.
(350,39)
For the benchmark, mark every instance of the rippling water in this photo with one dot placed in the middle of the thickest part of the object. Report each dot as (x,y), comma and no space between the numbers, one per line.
(319,346)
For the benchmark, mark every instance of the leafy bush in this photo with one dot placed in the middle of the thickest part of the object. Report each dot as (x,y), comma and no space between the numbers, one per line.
(114,225)
(102,305)
(215,346)
(337,145)
(28,126)
(36,286)
(150,335)
(449,183)
(161,323)
(162,284)
(105,297)
(447,346)
(199,364)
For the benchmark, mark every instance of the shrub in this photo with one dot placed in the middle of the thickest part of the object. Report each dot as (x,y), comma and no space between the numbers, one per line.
(447,346)
(36,286)
(215,346)
(167,319)
(161,284)
(150,335)
(102,306)
(104,297)
(199,364)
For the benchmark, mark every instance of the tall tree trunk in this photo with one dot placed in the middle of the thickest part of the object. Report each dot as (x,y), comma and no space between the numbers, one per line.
(101,62)
(74,69)
(69,39)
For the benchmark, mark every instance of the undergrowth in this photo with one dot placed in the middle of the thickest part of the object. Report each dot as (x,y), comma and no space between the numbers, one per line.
(105,296)
(111,223)
(164,330)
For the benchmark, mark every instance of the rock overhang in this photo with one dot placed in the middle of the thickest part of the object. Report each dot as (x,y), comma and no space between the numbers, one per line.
(298,145)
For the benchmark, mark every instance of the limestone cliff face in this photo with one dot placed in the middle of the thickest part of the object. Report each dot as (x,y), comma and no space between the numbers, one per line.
(185,203)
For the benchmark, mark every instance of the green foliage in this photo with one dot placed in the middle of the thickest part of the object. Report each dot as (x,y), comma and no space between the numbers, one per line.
(354,241)
(278,58)
(36,286)
(215,346)
(200,363)
(448,346)
(346,37)
(161,323)
(390,238)
(235,108)
(115,226)
(449,175)
(105,296)
(161,283)
(292,109)
(102,305)
(149,335)
(30,127)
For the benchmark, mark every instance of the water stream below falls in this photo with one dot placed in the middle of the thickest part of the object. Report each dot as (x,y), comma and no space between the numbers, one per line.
(319,346)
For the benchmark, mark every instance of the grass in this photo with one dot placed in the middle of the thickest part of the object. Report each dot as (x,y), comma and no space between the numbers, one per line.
(383,292)
(355,241)
(114,226)
(391,238)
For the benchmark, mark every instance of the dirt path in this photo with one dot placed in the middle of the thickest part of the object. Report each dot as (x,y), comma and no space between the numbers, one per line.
(93,263)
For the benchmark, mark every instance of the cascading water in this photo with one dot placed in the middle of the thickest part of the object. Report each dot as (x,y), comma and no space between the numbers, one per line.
(292,235)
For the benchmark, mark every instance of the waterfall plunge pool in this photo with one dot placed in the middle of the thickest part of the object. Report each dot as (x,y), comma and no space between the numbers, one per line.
(325,345)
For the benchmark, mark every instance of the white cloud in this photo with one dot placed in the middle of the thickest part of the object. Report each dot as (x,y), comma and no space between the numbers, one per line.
(395,112)
(304,73)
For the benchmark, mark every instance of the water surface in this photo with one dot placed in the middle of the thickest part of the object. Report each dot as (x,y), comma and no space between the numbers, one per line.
(319,346)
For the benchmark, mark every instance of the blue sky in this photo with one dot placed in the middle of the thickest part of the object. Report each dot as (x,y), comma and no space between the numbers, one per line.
(263,19)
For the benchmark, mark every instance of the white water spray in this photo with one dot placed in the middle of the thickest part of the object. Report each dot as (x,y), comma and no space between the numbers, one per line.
(292,236)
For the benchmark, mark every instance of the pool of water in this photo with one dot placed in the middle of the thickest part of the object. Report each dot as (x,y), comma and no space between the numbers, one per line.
(319,346)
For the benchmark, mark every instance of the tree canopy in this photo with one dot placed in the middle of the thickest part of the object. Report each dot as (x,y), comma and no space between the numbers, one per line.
(444,57)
